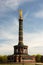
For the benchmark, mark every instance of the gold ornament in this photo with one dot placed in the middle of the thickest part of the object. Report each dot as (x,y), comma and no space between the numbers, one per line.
(20,13)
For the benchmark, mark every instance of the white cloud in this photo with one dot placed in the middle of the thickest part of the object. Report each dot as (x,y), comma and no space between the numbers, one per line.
(13,4)
(9,4)
(39,14)
(33,39)
(36,50)
(8,34)
(6,49)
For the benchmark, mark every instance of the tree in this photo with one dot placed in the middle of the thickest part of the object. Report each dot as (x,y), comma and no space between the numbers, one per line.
(0,59)
(3,59)
(38,58)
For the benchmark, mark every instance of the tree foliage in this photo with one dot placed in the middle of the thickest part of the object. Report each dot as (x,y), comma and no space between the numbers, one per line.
(3,59)
(38,58)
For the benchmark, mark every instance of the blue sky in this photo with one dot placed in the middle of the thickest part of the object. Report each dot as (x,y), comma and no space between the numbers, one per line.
(32,25)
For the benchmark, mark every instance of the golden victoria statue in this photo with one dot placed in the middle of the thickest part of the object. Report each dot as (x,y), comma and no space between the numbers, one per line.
(20,13)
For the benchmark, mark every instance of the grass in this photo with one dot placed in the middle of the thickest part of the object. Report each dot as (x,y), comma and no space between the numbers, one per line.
(21,64)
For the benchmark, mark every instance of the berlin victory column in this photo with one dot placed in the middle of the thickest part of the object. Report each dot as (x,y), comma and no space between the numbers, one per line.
(21,50)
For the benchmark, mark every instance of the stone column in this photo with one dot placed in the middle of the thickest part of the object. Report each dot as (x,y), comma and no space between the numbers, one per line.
(17,60)
(20,28)
(20,58)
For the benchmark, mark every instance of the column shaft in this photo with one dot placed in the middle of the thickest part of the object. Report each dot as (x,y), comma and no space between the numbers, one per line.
(20,31)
